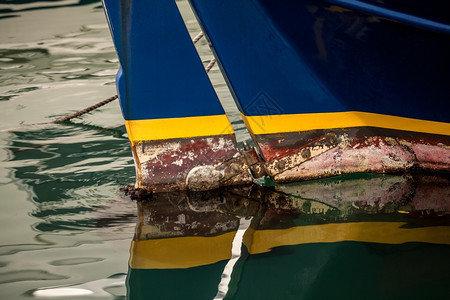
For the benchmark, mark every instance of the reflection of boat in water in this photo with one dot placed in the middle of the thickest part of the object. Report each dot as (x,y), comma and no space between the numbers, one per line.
(324,88)
(281,242)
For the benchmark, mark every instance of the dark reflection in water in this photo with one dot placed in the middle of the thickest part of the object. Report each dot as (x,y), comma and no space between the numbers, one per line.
(68,169)
(359,237)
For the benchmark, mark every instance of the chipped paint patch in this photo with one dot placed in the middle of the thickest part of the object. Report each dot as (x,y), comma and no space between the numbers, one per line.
(166,164)
(178,162)
(203,178)
(205,163)
(294,157)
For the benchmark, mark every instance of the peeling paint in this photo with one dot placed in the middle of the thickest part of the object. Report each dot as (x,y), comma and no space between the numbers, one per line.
(166,164)
(178,162)
(205,163)
(203,178)
(292,157)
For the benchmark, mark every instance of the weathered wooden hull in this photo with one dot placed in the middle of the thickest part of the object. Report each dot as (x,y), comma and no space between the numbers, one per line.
(325,153)
(323,87)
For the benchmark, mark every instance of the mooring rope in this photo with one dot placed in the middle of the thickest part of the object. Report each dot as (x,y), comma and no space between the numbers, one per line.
(107,100)
(197,37)
(210,65)
(110,99)
(86,110)
(68,117)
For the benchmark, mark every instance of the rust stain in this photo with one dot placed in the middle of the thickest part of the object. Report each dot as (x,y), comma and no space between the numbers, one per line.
(205,163)
(137,164)
(201,162)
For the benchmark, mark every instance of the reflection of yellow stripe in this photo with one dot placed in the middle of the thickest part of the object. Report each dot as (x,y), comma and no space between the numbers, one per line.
(373,232)
(304,122)
(161,129)
(185,252)
(180,252)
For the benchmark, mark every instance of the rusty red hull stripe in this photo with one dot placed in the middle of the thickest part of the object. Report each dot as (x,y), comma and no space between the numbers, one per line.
(315,154)
(201,162)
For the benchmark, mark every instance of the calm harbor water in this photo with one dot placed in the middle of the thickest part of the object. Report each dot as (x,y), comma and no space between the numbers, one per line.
(67,232)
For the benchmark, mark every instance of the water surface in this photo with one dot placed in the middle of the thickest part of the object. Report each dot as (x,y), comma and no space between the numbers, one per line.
(63,221)
(69,233)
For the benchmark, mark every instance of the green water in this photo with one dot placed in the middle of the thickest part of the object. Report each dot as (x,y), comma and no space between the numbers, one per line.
(66,230)
(62,220)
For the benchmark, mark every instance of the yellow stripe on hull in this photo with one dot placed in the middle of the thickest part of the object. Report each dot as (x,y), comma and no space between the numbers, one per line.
(304,122)
(162,129)
(186,252)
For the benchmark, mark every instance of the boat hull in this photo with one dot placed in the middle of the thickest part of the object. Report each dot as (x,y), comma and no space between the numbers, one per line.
(323,87)
(331,87)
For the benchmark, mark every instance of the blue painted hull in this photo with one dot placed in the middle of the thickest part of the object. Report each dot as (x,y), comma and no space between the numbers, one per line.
(316,56)
(324,88)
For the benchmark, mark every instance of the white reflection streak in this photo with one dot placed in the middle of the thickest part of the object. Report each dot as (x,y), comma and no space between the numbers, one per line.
(235,255)
(94,289)
(62,292)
